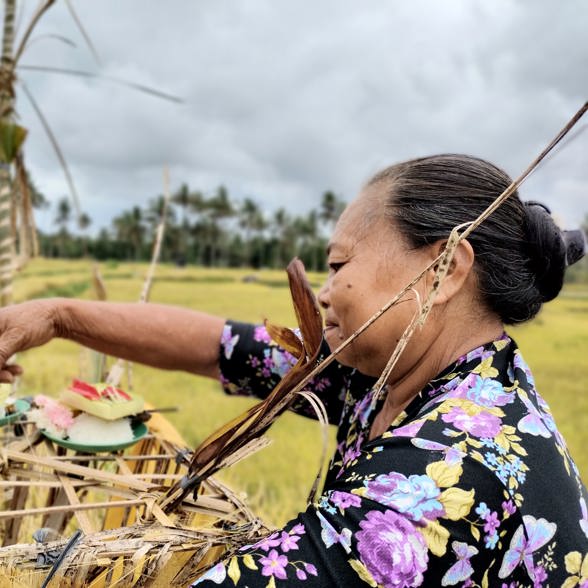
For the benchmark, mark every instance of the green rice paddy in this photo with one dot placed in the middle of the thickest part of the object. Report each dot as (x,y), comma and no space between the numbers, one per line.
(277,479)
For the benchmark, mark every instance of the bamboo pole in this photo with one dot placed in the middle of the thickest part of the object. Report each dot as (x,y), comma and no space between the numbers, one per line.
(6,116)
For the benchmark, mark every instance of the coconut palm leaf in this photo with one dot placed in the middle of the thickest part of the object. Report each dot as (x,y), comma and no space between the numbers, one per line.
(41,10)
(53,36)
(119,81)
(56,147)
(83,32)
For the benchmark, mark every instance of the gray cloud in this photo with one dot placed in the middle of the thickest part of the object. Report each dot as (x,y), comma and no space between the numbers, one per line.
(284,100)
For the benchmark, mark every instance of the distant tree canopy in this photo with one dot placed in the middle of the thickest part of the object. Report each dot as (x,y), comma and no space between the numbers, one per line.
(213,231)
(210,230)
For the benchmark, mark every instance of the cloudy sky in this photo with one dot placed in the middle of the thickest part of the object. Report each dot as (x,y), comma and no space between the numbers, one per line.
(282,100)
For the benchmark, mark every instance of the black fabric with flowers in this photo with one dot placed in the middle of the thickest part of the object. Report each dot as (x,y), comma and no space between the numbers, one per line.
(472,485)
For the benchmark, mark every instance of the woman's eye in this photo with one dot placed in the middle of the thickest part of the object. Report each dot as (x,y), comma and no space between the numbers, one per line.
(336,266)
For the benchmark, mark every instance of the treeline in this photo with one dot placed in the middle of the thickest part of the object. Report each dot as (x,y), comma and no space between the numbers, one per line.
(211,230)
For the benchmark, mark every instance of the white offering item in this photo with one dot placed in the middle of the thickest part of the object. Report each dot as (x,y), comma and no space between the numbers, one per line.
(90,430)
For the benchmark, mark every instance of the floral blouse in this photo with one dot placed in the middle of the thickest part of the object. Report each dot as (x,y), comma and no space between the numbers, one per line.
(472,485)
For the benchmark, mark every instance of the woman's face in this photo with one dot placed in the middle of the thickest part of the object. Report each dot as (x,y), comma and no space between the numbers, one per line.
(369,263)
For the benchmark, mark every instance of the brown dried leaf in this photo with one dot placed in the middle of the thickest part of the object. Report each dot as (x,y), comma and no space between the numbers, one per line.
(209,456)
(285,338)
(306,308)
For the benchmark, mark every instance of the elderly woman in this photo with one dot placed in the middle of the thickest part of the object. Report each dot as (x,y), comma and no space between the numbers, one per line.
(458,474)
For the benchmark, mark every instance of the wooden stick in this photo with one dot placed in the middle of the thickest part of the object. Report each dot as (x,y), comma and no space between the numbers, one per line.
(70,468)
(7,514)
(82,517)
(99,457)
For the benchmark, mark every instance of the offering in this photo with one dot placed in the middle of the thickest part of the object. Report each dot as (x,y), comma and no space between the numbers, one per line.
(81,431)
(102,400)
(11,409)
(90,434)
(51,416)
(5,403)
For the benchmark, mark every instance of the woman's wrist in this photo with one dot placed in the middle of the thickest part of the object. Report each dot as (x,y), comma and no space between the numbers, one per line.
(58,315)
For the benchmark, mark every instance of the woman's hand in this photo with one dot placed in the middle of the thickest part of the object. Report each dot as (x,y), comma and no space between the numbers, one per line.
(23,326)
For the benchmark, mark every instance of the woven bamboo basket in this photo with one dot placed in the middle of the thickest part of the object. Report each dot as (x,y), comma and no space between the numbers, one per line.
(96,519)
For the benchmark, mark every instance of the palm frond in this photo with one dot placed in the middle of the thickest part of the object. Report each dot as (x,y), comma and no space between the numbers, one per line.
(54,37)
(87,74)
(56,148)
(41,10)
(83,31)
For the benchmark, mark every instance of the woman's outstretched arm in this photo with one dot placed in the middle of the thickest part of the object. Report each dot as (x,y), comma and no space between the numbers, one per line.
(167,337)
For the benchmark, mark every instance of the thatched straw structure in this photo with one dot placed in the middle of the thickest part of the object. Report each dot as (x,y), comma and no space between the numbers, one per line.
(111,501)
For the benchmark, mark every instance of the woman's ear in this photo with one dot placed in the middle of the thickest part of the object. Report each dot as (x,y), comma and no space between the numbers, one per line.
(460,270)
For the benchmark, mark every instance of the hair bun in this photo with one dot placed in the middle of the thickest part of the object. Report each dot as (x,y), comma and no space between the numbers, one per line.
(546,249)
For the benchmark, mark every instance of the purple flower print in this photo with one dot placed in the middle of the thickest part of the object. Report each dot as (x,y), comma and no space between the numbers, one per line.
(298,529)
(310,569)
(416,495)
(486,392)
(492,522)
(410,430)
(541,576)
(274,565)
(363,409)
(509,507)
(319,384)
(301,574)
(344,499)
(260,334)
(478,353)
(520,364)
(479,425)
(392,550)
(288,542)
(228,341)
(268,542)
(351,454)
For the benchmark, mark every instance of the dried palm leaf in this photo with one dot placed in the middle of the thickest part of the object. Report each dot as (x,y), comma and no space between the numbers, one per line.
(243,430)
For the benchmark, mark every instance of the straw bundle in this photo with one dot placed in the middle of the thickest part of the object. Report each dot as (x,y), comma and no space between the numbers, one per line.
(112,498)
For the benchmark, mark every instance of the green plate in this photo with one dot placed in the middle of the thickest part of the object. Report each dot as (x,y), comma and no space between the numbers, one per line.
(139,431)
(21,407)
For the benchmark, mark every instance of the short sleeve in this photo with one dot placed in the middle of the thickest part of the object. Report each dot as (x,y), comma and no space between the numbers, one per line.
(251,364)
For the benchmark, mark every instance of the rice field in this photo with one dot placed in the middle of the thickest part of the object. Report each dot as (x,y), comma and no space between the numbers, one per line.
(278,479)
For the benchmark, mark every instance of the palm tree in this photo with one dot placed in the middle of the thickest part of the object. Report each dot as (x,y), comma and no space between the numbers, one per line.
(7,128)
(130,229)
(282,230)
(308,231)
(183,198)
(84,221)
(12,136)
(63,213)
(189,202)
(219,209)
(252,221)
(331,208)
(62,219)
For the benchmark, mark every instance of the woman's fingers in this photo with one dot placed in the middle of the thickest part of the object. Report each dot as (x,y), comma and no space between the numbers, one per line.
(9,372)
